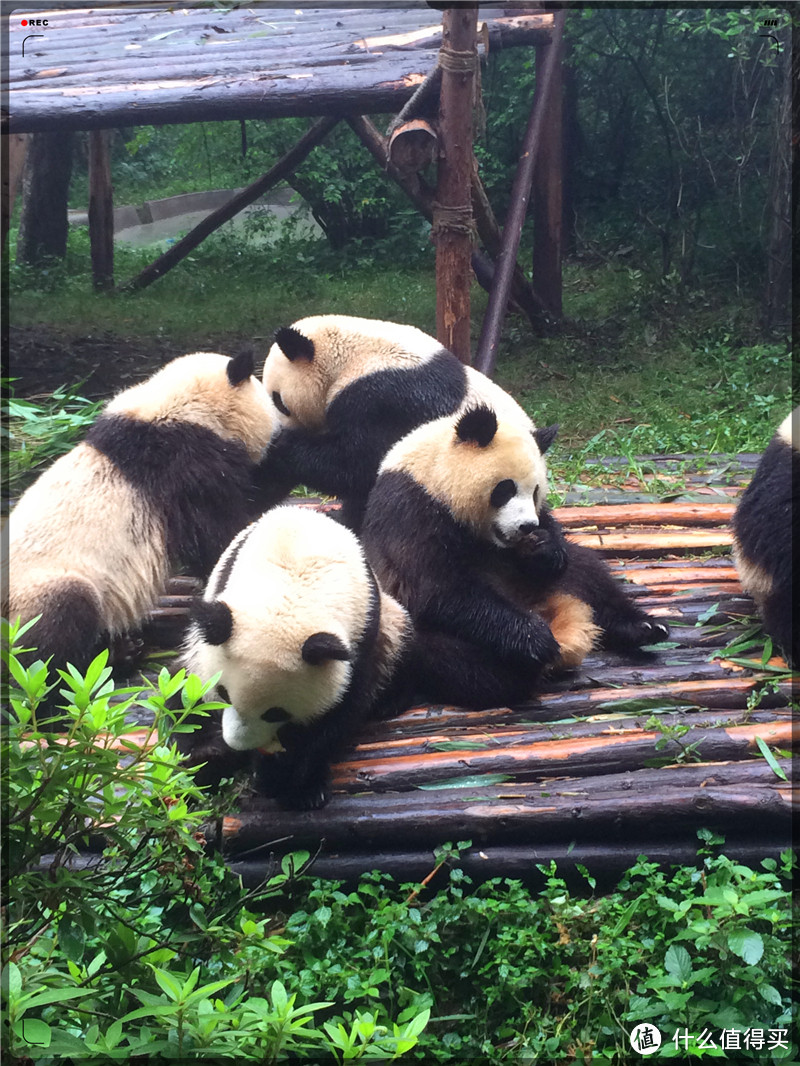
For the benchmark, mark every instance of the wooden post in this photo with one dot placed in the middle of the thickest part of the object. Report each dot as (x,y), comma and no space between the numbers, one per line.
(495,312)
(16,149)
(43,224)
(452,216)
(547,197)
(101,210)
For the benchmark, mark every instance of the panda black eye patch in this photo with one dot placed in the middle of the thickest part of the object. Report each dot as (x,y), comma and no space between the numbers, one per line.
(503,492)
(284,410)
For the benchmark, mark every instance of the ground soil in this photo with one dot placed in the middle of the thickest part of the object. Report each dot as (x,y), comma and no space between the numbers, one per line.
(42,358)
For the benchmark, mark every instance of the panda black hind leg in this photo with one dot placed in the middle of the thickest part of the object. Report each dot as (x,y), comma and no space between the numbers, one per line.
(623,624)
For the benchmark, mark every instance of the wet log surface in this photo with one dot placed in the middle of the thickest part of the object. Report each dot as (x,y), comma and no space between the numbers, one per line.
(626,756)
(132,65)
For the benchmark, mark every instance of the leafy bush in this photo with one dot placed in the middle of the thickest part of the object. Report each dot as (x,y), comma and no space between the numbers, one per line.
(147,946)
(37,433)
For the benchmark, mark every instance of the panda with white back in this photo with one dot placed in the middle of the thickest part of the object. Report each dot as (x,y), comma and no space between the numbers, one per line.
(346,389)
(457,528)
(765,528)
(163,479)
(307,645)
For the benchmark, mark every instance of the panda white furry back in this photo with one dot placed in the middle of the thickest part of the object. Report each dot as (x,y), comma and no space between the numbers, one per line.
(162,479)
(307,646)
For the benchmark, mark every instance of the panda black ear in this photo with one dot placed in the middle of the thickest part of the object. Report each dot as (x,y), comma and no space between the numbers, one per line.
(321,646)
(240,368)
(214,619)
(293,344)
(477,426)
(545,437)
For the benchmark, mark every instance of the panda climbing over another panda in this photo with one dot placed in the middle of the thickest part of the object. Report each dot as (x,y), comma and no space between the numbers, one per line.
(164,478)
(458,530)
(346,389)
(308,646)
(765,526)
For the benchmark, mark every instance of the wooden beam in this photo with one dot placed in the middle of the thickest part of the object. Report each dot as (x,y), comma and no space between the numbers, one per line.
(547,184)
(310,139)
(452,216)
(101,211)
(495,312)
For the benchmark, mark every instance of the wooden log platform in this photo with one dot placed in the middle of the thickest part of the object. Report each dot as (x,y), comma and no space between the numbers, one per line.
(625,756)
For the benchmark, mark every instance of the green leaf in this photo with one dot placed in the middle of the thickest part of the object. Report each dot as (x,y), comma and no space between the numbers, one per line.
(33,1032)
(471,781)
(770,994)
(678,963)
(72,940)
(747,944)
(771,760)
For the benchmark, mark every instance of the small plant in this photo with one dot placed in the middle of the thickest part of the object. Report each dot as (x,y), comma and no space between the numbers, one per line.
(121,934)
(37,433)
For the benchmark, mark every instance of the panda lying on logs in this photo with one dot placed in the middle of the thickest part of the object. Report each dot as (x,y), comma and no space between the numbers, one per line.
(346,389)
(458,530)
(308,646)
(163,478)
(765,526)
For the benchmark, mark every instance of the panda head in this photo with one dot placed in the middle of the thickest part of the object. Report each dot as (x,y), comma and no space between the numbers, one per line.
(490,475)
(205,389)
(272,674)
(314,359)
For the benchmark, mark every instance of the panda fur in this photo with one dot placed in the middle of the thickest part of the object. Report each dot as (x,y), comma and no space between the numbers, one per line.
(346,389)
(162,478)
(765,526)
(307,645)
(458,530)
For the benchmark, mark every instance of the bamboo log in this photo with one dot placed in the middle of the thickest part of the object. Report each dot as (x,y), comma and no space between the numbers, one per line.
(586,755)
(688,540)
(658,514)
(523,861)
(292,159)
(519,813)
(514,734)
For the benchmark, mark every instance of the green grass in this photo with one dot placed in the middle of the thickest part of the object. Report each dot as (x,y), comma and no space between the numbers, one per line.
(639,366)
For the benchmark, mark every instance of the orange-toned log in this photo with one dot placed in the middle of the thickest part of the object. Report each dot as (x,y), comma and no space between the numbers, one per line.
(513,733)
(569,809)
(587,755)
(688,540)
(690,575)
(656,514)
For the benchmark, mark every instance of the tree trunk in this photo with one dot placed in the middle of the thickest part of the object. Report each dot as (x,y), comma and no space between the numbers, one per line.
(45,188)
(777,294)
(101,210)
(547,202)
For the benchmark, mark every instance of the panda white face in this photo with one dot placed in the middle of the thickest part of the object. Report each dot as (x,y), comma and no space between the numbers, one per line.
(281,620)
(491,476)
(516,510)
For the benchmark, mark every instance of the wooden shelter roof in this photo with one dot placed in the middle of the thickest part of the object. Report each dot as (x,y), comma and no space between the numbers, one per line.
(118,65)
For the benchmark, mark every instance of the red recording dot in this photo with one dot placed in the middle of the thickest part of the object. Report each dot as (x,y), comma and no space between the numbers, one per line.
(24,22)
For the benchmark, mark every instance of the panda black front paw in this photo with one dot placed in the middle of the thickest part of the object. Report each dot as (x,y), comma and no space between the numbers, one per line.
(544,551)
(636,633)
(311,798)
(533,645)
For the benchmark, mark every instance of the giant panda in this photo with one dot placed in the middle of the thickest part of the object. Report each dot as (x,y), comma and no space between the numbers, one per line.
(346,389)
(162,479)
(765,526)
(457,529)
(307,645)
